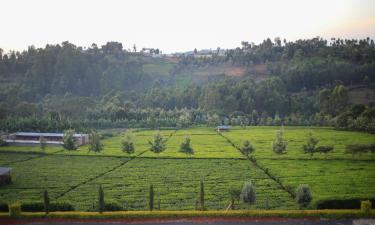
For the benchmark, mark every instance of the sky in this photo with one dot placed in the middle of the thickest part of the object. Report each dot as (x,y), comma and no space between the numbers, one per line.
(180,25)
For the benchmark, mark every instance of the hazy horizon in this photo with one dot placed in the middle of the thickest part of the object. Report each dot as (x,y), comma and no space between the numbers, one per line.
(177,26)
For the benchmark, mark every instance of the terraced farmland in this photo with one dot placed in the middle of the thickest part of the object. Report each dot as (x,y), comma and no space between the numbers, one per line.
(75,175)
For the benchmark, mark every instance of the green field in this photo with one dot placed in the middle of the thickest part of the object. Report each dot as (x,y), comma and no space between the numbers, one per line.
(76,175)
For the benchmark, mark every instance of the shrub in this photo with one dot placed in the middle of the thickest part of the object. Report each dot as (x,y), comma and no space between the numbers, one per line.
(366,206)
(2,142)
(248,193)
(185,146)
(127,144)
(159,143)
(247,148)
(279,145)
(312,141)
(234,196)
(68,140)
(112,205)
(39,206)
(15,210)
(324,149)
(303,195)
(43,143)
(360,148)
(95,143)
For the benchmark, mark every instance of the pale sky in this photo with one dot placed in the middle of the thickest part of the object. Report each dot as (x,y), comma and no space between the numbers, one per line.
(180,25)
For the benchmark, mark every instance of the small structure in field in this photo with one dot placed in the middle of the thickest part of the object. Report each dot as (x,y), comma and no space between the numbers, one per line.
(5,176)
(223,128)
(32,138)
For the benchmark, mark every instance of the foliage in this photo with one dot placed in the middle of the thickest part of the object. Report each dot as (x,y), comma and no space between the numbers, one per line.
(366,206)
(151,198)
(159,143)
(43,143)
(69,141)
(14,210)
(46,202)
(95,142)
(248,193)
(235,195)
(360,148)
(279,145)
(310,146)
(247,148)
(185,146)
(53,206)
(128,144)
(101,203)
(303,195)
(324,149)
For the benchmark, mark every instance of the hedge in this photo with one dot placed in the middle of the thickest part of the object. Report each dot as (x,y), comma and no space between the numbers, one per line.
(39,206)
(341,204)
(330,214)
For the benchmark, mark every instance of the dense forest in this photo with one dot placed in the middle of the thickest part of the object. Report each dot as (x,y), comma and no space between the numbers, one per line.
(306,82)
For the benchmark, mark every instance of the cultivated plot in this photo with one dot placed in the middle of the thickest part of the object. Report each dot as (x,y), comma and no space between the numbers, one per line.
(55,173)
(262,137)
(176,184)
(328,179)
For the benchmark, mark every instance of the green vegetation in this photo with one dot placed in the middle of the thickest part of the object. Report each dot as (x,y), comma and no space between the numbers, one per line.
(74,176)
(303,195)
(128,144)
(68,139)
(95,144)
(248,193)
(185,146)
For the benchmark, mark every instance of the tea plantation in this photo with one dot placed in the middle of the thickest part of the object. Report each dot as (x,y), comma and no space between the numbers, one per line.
(74,176)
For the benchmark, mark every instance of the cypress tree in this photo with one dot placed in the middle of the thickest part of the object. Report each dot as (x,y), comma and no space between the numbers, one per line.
(46,201)
(101,199)
(151,198)
(201,195)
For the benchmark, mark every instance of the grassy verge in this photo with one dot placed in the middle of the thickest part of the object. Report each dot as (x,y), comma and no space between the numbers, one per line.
(333,214)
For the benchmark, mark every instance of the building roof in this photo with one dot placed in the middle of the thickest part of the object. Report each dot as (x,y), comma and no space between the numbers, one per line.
(223,127)
(4,170)
(32,134)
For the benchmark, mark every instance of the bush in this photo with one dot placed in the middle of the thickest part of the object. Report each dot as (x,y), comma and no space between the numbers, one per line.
(14,210)
(303,195)
(69,141)
(159,143)
(95,143)
(366,206)
(186,147)
(53,207)
(247,148)
(279,145)
(127,144)
(248,193)
(311,142)
(3,143)
(324,149)
(360,148)
(111,205)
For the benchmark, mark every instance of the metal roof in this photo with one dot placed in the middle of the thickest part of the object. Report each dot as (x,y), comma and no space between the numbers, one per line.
(45,134)
(4,170)
(223,127)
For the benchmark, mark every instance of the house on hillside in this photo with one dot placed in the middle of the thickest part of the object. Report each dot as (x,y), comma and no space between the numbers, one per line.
(223,128)
(32,138)
(5,176)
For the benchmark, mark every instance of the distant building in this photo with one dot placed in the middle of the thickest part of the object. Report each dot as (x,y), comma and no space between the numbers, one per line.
(5,176)
(223,128)
(31,138)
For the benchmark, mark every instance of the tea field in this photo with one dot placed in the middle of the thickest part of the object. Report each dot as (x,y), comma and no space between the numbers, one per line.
(75,176)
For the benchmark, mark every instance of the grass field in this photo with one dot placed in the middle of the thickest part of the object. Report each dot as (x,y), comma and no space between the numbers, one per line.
(76,175)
